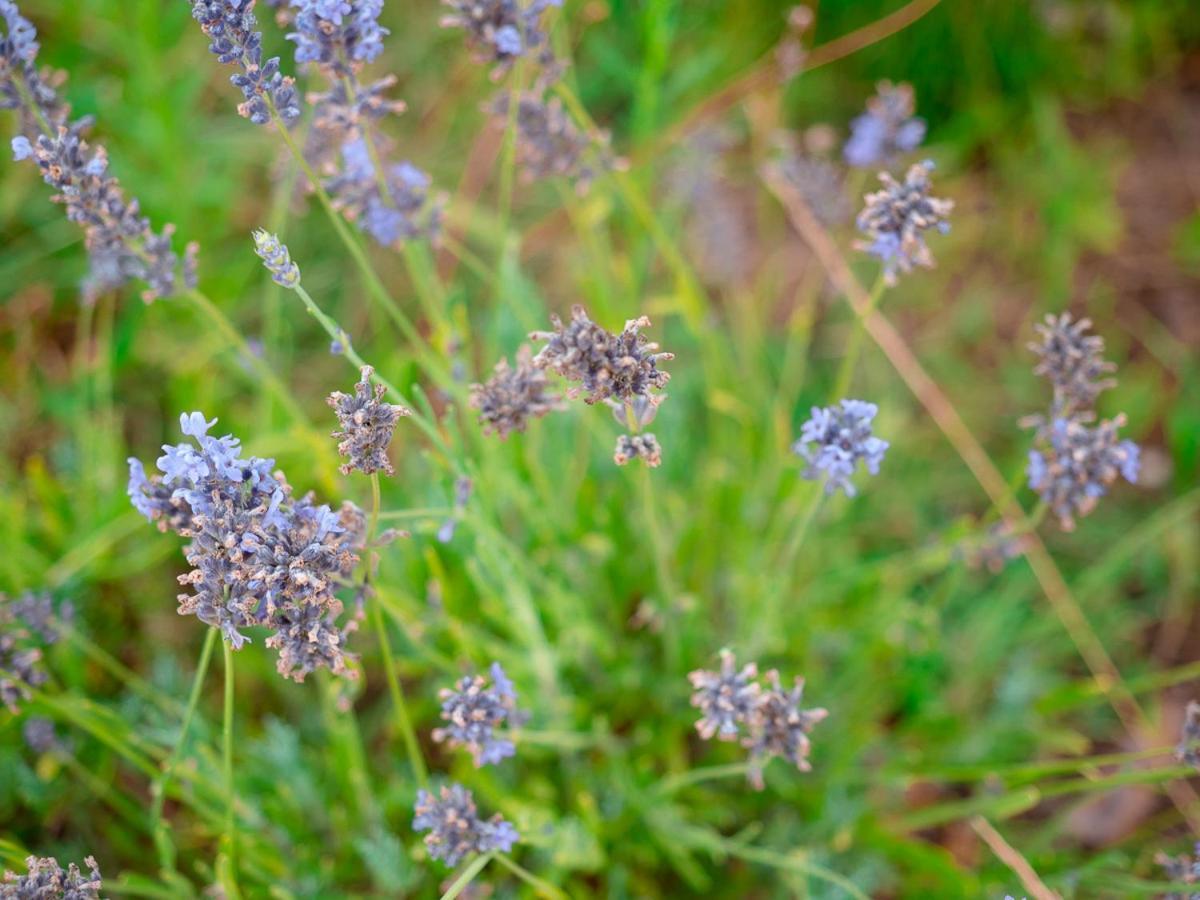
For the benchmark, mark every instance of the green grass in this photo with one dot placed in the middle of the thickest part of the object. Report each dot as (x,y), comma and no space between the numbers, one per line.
(953,692)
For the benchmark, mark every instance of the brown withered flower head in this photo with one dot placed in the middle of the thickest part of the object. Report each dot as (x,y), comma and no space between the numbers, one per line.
(367,426)
(512,396)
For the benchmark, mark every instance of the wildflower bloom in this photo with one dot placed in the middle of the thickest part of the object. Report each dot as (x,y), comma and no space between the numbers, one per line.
(276,258)
(455,829)
(20,657)
(20,81)
(887,129)
(231,28)
(474,710)
(779,727)
(46,878)
(512,396)
(835,439)
(367,426)
(500,31)
(548,143)
(1073,362)
(259,556)
(392,209)
(725,698)
(895,219)
(643,446)
(621,366)
(1073,465)
(335,34)
(1188,750)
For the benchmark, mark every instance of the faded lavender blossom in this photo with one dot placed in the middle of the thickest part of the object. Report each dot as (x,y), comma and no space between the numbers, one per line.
(820,185)
(501,31)
(622,366)
(887,129)
(406,210)
(276,258)
(462,496)
(642,445)
(47,879)
(779,727)
(473,710)
(1183,869)
(1188,750)
(230,26)
(35,610)
(120,243)
(726,698)
(367,426)
(20,658)
(40,737)
(259,555)
(995,550)
(512,396)
(455,829)
(549,144)
(895,219)
(1072,465)
(336,34)
(835,439)
(1073,362)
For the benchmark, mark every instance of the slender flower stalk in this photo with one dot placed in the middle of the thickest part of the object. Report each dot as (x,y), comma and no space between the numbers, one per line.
(230,837)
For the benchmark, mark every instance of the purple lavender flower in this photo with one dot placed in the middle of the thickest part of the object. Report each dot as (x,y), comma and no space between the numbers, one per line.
(230,26)
(895,218)
(336,34)
(501,31)
(21,86)
(455,829)
(367,426)
(1073,362)
(779,727)
(474,710)
(276,258)
(47,879)
(887,129)
(406,211)
(549,144)
(40,737)
(835,439)
(1183,869)
(643,446)
(1073,465)
(512,396)
(726,698)
(20,658)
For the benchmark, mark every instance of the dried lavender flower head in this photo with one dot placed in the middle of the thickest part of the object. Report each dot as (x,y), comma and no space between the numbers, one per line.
(726,698)
(1073,465)
(819,183)
(500,31)
(367,426)
(642,445)
(887,129)
(622,366)
(512,396)
(1188,750)
(835,439)
(1073,362)
(276,259)
(779,727)
(896,217)
(1183,869)
(549,144)
(24,627)
(47,879)
(473,710)
(455,829)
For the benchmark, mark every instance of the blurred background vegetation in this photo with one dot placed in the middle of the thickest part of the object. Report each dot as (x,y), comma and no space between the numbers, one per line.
(1065,132)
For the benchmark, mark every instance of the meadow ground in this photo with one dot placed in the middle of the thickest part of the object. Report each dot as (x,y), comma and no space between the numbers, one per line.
(1003,706)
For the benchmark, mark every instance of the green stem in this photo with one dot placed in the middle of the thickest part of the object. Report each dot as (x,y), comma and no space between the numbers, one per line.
(673,783)
(230,840)
(166,850)
(854,346)
(468,875)
(542,887)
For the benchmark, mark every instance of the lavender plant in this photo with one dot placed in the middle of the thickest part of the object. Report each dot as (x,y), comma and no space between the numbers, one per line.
(367,426)
(47,879)
(887,129)
(1188,749)
(1073,362)
(726,698)
(513,395)
(121,245)
(20,659)
(499,32)
(896,218)
(1184,869)
(835,440)
(455,829)
(549,143)
(473,710)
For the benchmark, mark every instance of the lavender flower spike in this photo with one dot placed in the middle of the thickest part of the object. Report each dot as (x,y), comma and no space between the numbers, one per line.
(455,829)
(887,129)
(726,698)
(474,710)
(835,439)
(500,31)
(1074,464)
(46,879)
(277,260)
(367,426)
(512,396)
(895,218)
(779,727)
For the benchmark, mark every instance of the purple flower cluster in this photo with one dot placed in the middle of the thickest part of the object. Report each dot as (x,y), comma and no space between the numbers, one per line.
(501,31)
(337,34)
(512,396)
(121,245)
(455,829)
(835,439)
(46,879)
(20,651)
(775,722)
(896,218)
(549,143)
(259,555)
(887,129)
(642,445)
(367,426)
(392,204)
(473,710)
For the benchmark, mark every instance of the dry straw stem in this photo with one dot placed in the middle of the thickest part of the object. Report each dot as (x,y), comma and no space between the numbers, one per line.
(1103,670)
(1013,859)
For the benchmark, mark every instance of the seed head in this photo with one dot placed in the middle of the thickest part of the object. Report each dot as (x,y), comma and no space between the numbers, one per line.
(474,710)
(887,129)
(1072,465)
(726,698)
(622,366)
(276,258)
(896,218)
(1073,362)
(455,829)
(835,439)
(512,396)
(643,446)
(47,879)
(779,727)
(367,426)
